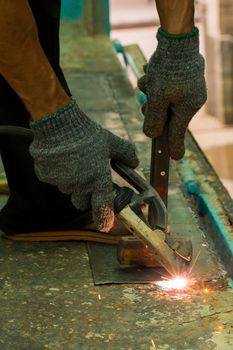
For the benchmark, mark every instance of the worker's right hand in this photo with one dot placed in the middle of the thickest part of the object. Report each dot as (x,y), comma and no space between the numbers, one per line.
(72,152)
(174,81)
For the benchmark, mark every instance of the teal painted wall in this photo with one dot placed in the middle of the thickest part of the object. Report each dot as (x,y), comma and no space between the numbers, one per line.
(72,9)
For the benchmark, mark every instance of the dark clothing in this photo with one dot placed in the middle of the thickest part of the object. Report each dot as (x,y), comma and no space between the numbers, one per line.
(32,205)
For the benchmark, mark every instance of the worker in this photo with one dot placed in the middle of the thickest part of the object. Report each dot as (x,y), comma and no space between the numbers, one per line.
(70,152)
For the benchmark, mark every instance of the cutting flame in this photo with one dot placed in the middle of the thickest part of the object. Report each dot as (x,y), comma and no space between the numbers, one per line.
(177,283)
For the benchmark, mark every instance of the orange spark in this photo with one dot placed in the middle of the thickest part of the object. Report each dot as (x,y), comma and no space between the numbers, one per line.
(153,343)
(219,329)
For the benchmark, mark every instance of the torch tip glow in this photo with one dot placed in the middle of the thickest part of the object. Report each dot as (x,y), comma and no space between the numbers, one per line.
(177,283)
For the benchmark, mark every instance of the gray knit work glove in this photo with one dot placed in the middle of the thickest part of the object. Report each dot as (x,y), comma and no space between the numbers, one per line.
(72,152)
(174,80)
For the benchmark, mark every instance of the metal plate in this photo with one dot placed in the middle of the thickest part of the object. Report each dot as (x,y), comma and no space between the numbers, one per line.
(106,269)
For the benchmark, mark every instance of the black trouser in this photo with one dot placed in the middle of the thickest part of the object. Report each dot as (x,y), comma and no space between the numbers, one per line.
(32,205)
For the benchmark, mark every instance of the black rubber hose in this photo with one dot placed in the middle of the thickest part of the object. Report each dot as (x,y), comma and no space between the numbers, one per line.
(16,131)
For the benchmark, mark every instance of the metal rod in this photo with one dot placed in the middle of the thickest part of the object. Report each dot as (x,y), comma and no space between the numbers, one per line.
(159,171)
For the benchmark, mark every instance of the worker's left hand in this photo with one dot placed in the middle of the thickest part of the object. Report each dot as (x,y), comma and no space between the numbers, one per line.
(174,81)
(73,152)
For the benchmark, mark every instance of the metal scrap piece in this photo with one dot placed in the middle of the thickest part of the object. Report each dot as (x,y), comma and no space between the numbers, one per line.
(106,269)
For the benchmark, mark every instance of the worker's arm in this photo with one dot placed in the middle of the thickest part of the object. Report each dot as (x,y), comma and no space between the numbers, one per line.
(23,62)
(176,16)
(70,150)
(174,78)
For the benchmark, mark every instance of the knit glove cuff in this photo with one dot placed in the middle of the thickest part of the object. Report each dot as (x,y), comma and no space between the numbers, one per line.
(68,123)
(178,46)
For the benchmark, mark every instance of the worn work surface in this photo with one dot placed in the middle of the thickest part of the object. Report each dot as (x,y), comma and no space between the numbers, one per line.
(47,296)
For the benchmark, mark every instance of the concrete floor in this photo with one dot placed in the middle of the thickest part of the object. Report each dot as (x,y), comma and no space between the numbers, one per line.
(47,296)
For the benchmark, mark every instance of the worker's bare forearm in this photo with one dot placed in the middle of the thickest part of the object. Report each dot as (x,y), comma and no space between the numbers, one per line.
(176,16)
(23,62)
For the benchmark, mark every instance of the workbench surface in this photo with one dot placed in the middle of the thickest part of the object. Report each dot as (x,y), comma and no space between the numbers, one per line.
(47,296)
